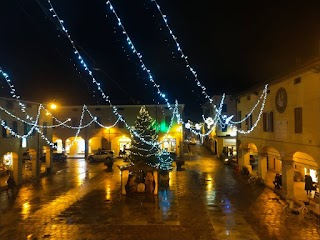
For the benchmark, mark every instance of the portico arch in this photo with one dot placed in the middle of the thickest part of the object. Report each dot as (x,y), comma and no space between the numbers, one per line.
(304,164)
(269,160)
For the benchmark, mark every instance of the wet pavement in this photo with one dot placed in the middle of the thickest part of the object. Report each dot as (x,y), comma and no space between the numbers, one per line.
(204,200)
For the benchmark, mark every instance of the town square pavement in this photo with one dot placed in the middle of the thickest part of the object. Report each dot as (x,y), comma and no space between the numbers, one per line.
(204,200)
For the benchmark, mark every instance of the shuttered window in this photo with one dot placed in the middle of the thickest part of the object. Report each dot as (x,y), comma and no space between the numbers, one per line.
(298,120)
(268,121)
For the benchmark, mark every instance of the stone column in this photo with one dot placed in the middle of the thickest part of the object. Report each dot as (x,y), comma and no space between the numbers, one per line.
(287,178)
(124,180)
(35,163)
(262,166)
(17,168)
(48,159)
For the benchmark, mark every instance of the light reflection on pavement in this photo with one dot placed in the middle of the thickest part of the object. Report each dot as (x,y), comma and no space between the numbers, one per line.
(203,201)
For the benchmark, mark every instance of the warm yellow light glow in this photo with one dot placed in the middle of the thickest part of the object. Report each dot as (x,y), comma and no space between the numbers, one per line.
(26,210)
(108,191)
(7,158)
(53,106)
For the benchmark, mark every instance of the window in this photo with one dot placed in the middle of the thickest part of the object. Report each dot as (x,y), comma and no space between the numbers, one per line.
(4,130)
(224,108)
(297,80)
(45,129)
(15,126)
(268,121)
(97,125)
(239,118)
(298,120)
(27,128)
(168,120)
(249,122)
(225,128)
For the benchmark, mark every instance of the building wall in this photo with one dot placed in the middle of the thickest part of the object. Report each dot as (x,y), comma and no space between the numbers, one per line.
(220,139)
(284,144)
(118,134)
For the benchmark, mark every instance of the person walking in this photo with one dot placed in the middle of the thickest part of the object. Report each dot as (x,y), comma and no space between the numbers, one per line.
(11,184)
(189,150)
(308,184)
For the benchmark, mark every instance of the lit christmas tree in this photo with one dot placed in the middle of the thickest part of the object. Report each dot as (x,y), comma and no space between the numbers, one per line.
(144,147)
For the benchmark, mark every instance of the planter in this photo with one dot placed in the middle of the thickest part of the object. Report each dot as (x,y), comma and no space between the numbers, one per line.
(179,164)
(109,164)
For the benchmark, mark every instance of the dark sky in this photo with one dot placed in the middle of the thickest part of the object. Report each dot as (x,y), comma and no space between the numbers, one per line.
(230,44)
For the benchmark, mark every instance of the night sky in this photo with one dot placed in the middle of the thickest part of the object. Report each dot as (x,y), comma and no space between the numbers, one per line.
(232,45)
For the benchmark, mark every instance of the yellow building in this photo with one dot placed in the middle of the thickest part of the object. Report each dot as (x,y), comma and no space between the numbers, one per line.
(286,140)
(110,132)
(221,141)
(20,121)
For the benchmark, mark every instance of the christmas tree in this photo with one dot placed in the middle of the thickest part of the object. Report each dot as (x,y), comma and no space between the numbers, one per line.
(144,145)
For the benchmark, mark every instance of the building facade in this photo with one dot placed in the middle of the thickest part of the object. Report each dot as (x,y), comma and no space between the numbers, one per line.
(221,140)
(286,139)
(24,130)
(84,136)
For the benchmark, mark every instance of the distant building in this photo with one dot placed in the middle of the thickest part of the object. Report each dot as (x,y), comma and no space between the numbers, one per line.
(286,140)
(221,140)
(111,133)
(75,132)
(19,135)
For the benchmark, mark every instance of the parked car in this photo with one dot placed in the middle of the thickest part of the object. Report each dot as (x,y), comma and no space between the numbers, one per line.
(56,157)
(193,141)
(101,156)
(59,157)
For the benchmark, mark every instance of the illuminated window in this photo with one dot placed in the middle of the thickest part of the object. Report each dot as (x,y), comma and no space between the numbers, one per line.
(24,142)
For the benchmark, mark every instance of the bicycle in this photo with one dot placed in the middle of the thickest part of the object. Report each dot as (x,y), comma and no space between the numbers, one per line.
(303,210)
(256,180)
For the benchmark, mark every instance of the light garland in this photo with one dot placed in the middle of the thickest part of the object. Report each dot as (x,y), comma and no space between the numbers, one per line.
(223,120)
(265,93)
(84,65)
(143,65)
(183,55)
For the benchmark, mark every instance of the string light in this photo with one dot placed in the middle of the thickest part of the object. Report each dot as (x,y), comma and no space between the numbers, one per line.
(35,126)
(183,55)
(84,65)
